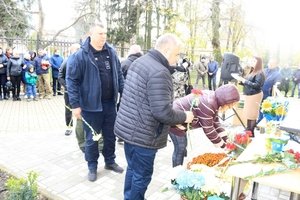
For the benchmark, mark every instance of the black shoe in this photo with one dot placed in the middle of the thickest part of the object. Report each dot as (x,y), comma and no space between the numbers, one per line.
(15,99)
(92,176)
(68,132)
(5,98)
(54,94)
(114,167)
(59,93)
(18,99)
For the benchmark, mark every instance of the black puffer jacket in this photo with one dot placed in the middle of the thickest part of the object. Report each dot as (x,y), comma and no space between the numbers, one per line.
(146,112)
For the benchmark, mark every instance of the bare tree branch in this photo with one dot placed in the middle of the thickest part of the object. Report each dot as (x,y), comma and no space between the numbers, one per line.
(14,17)
(65,28)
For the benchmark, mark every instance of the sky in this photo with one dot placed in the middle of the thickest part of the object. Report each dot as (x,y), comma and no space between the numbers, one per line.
(276,23)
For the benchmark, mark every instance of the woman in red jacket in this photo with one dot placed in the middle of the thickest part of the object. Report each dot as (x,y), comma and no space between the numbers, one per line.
(206,112)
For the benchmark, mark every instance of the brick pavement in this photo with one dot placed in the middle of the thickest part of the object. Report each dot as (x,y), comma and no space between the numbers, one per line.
(32,138)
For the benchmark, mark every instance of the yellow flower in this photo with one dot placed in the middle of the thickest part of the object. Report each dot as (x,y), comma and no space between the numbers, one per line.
(266,106)
(280,110)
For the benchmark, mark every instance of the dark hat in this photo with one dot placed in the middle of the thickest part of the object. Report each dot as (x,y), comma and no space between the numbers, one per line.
(227,94)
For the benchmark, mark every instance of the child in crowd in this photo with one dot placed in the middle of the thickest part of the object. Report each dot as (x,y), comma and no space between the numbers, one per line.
(31,79)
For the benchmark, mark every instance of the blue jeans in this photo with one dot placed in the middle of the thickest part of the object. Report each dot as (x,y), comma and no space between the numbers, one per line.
(140,163)
(102,122)
(30,90)
(212,82)
(180,144)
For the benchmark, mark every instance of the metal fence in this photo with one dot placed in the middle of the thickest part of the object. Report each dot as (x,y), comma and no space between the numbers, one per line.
(27,44)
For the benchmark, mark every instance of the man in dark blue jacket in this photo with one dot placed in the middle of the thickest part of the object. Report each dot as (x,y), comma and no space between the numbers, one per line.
(56,60)
(94,83)
(212,69)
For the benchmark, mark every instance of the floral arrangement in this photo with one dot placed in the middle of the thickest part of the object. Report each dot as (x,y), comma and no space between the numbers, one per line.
(237,143)
(208,159)
(274,109)
(287,160)
(192,185)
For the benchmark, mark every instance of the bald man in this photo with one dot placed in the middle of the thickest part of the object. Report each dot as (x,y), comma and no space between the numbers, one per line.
(94,82)
(146,113)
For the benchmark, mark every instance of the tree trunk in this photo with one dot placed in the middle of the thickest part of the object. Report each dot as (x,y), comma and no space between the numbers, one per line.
(215,19)
(39,34)
(149,25)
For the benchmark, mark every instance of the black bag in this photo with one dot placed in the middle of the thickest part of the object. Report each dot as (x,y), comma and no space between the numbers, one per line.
(9,86)
(188,87)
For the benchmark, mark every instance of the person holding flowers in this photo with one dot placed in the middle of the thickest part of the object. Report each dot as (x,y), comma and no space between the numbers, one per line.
(205,106)
(146,114)
(253,84)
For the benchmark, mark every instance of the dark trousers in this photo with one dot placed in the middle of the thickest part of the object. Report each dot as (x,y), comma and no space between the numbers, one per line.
(285,86)
(55,85)
(139,171)
(68,112)
(16,83)
(100,122)
(295,85)
(180,144)
(2,85)
(202,78)
(212,82)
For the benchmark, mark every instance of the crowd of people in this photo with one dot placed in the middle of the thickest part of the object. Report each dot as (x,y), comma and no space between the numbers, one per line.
(35,73)
(142,100)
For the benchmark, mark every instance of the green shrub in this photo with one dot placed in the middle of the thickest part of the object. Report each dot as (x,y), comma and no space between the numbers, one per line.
(21,188)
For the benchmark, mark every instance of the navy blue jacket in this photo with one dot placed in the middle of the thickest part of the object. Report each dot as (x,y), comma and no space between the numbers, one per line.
(212,67)
(56,60)
(83,79)
(272,76)
(38,66)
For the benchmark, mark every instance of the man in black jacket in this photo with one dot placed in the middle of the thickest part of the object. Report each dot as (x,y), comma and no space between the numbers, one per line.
(62,81)
(146,113)
(135,52)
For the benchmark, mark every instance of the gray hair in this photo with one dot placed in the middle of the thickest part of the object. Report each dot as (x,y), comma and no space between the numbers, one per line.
(135,49)
(166,40)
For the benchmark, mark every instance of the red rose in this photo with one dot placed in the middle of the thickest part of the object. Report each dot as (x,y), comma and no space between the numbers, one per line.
(196,92)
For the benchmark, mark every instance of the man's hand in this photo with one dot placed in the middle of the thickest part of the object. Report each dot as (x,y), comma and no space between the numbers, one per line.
(77,113)
(189,116)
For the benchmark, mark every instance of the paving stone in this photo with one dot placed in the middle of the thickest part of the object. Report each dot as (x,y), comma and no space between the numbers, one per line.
(32,138)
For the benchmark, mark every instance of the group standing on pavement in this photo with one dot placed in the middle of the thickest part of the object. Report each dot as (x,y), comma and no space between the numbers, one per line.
(143,110)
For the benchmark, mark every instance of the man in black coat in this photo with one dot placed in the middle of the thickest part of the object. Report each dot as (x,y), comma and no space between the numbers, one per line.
(146,113)
(135,52)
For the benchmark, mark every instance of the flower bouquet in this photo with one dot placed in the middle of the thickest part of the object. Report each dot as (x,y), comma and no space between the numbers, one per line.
(237,143)
(198,183)
(274,109)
